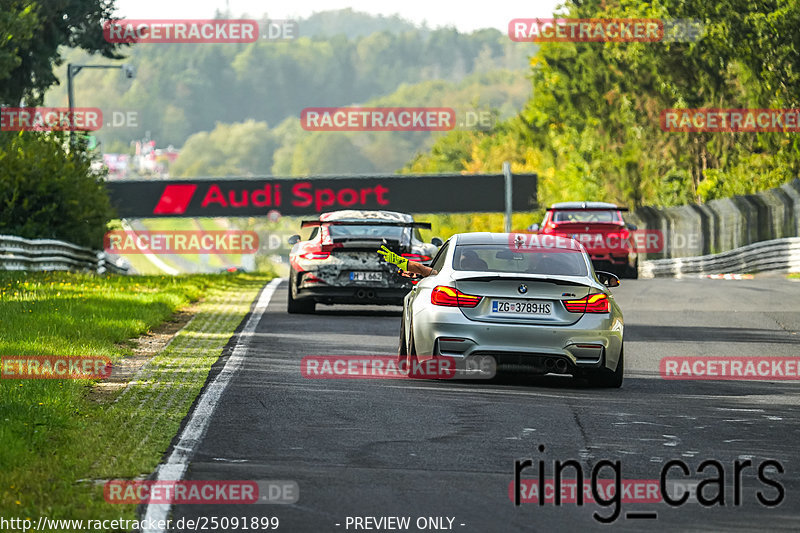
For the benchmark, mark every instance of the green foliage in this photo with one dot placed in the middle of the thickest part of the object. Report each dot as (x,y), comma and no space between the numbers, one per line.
(294,151)
(48,422)
(243,149)
(48,191)
(304,152)
(591,129)
(31,34)
(17,23)
(750,174)
(328,153)
(182,89)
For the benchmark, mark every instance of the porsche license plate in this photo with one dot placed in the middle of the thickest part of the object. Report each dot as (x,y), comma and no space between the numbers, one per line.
(366,276)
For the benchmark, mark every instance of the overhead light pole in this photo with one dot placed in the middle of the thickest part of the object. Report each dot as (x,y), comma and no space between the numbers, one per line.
(508,177)
(73,70)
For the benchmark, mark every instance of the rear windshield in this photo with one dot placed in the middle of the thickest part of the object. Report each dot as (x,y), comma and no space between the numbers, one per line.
(586,216)
(377,232)
(499,258)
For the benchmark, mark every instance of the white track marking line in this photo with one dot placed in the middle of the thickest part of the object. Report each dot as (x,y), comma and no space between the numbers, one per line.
(175,466)
(150,257)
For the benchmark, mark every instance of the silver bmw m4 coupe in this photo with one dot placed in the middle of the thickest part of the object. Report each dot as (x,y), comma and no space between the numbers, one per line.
(532,302)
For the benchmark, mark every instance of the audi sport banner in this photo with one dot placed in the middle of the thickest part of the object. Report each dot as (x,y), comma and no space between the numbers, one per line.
(433,193)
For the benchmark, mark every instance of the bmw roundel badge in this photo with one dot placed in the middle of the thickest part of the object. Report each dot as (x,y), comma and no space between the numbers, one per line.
(522,288)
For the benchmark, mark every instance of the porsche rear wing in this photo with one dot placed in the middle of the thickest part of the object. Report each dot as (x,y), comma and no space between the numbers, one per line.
(365,222)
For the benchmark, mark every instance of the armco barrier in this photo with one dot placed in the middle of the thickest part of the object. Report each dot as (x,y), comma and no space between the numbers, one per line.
(776,255)
(17,253)
(725,224)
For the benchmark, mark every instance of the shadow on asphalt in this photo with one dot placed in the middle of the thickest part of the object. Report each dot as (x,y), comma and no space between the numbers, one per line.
(354,311)
(637,333)
(648,386)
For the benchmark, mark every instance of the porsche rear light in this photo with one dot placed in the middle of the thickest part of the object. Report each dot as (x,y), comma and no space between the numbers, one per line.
(594,303)
(451,297)
(315,255)
(417,257)
(319,252)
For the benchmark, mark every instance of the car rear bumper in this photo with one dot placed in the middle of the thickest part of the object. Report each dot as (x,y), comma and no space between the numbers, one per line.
(609,258)
(361,294)
(590,344)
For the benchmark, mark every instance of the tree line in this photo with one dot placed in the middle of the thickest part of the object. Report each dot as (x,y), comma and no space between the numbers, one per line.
(591,128)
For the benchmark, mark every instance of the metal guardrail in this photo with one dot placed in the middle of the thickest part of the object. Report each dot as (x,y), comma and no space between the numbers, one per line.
(17,253)
(776,254)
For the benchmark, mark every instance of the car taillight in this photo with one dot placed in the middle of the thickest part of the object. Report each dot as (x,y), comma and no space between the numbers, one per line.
(417,257)
(450,297)
(617,240)
(594,303)
(315,255)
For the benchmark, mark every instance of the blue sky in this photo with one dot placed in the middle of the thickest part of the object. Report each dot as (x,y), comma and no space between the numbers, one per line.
(491,14)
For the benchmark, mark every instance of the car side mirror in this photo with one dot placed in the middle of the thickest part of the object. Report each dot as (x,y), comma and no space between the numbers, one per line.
(533,227)
(294,239)
(631,227)
(436,241)
(608,279)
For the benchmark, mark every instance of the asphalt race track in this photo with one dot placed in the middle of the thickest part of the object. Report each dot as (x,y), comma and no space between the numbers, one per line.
(411,448)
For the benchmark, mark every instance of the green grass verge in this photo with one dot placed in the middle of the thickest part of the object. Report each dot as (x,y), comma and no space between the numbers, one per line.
(214,261)
(142,265)
(58,445)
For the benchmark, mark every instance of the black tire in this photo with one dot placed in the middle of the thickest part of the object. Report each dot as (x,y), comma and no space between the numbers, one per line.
(402,351)
(412,356)
(298,307)
(632,271)
(610,379)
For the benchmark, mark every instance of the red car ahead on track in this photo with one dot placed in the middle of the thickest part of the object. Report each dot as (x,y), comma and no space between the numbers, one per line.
(599,226)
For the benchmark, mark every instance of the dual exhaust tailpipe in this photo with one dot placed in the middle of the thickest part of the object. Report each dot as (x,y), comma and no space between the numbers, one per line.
(361,294)
(555,364)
